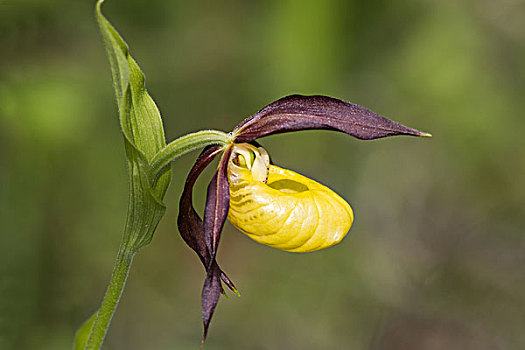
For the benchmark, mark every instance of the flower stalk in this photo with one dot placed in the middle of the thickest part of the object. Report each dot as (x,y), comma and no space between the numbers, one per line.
(147,157)
(188,143)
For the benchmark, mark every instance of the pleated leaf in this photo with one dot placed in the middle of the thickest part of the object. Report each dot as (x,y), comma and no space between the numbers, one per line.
(143,133)
(141,126)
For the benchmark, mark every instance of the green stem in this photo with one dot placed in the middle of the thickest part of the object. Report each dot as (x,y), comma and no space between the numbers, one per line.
(111,300)
(116,285)
(188,143)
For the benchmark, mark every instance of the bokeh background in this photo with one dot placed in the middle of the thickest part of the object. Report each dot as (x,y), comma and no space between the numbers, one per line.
(436,257)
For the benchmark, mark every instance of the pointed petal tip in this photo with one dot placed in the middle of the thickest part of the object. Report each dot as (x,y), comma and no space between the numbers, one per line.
(204,336)
(425,134)
(236,292)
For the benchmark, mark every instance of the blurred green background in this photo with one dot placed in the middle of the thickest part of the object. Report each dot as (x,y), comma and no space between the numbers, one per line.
(436,257)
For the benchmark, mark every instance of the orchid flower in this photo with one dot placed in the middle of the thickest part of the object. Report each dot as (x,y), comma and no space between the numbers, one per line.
(273,206)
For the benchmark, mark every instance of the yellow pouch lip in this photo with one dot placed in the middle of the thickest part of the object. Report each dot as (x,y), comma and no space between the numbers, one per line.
(284,191)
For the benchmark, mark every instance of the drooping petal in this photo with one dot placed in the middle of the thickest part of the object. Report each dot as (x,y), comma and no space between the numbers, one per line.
(198,234)
(296,112)
(191,226)
(217,205)
(215,213)
(211,291)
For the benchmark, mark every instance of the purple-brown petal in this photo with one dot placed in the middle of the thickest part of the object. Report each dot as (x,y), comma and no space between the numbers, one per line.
(191,226)
(211,291)
(217,205)
(215,213)
(296,112)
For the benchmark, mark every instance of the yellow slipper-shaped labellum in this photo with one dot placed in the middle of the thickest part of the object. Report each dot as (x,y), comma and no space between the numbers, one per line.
(281,208)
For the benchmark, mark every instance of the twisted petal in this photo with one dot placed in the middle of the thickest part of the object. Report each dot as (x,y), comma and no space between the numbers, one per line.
(211,291)
(215,213)
(217,204)
(289,212)
(298,112)
(190,225)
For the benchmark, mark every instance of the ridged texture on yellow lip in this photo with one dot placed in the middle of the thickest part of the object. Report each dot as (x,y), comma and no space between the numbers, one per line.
(289,212)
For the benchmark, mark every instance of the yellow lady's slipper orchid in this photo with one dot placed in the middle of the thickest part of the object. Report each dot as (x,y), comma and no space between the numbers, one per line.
(273,206)
(280,208)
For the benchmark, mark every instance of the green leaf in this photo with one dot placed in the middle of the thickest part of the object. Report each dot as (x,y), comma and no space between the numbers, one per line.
(140,119)
(82,334)
(143,132)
